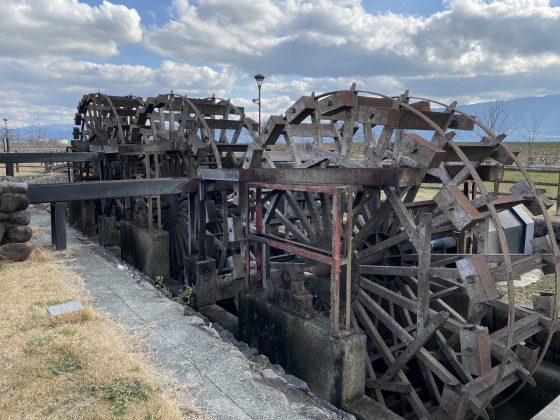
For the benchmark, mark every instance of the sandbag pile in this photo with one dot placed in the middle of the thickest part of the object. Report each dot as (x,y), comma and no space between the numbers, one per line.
(14,220)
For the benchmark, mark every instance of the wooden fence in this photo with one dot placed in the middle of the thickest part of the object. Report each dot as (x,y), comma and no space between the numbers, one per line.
(542,158)
(555,197)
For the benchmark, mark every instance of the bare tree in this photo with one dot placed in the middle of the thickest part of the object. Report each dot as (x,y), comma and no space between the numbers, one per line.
(532,126)
(38,133)
(498,118)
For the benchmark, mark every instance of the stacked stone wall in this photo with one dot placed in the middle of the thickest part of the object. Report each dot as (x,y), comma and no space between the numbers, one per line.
(15,232)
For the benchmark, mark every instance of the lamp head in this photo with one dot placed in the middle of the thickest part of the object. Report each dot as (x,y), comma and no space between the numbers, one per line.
(259,78)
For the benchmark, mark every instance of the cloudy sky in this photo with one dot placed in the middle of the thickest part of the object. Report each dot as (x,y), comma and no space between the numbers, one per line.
(54,51)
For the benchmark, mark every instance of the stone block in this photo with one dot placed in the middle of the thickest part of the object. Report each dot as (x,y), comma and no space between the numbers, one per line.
(333,367)
(202,273)
(22,217)
(10,202)
(15,252)
(12,187)
(108,231)
(145,250)
(273,379)
(65,308)
(18,233)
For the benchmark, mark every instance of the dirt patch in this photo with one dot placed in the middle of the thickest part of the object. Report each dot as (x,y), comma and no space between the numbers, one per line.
(80,366)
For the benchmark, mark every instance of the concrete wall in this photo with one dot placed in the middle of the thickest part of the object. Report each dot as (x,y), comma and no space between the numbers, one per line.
(333,367)
(108,231)
(145,250)
(82,216)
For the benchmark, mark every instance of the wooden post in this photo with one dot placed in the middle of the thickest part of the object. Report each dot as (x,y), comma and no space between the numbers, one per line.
(335,267)
(475,349)
(424,254)
(558,196)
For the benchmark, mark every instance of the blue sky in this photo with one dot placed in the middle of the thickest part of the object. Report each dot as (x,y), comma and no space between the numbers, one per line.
(54,51)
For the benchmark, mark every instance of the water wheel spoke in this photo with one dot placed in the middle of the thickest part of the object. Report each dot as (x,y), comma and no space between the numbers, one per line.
(379,342)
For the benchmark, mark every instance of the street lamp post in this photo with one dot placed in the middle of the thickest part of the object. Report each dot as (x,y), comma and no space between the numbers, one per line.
(7,141)
(259,79)
(9,166)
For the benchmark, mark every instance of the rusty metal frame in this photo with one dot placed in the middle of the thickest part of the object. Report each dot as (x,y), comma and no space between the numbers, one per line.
(339,255)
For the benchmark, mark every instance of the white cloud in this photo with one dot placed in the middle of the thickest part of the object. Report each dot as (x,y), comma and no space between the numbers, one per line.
(193,80)
(54,86)
(327,38)
(53,52)
(41,27)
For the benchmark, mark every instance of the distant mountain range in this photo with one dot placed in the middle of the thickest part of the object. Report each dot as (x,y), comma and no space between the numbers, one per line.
(546,109)
(50,131)
(521,110)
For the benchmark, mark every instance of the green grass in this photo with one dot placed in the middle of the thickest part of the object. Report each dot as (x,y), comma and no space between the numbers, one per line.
(357,151)
(51,302)
(124,391)
(34,343)
(538,146)
(67,332)
(62,363)
(537,177)
(50,409)
(120,393)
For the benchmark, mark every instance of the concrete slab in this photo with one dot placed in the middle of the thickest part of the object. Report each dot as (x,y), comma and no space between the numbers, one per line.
(215,372)
(65,308)
(550,412)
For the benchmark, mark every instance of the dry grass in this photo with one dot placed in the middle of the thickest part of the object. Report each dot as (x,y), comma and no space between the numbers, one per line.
(25,169)
(525,294)
(81,366)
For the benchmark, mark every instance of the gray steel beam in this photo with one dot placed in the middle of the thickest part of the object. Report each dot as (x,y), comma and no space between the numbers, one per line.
(49,157)
(58,225)
(92,190)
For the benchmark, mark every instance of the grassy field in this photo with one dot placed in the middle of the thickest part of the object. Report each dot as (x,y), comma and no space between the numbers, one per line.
(26,169)
(82,366)
(538,146)
(537,177)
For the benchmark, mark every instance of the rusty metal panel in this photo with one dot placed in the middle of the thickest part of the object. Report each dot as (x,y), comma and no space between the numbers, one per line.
(420,150)
(273,129)
(502,155)
(410,120)
(457,207)
(300,110)
(423,106)
(339,101)
(477,278)
(368,101)
(374,177)
(306,130)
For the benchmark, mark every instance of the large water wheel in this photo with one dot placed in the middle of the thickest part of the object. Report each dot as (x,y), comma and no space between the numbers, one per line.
(179,137)
(102,123)
(423,278)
